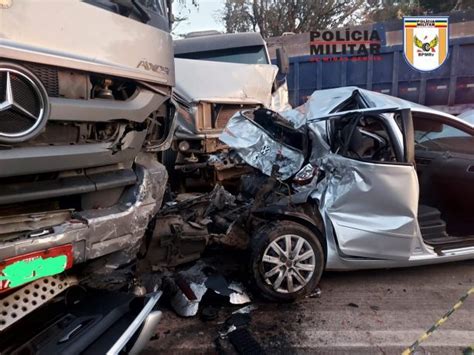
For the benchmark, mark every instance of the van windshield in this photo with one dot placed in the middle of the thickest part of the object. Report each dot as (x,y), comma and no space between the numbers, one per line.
(243,55)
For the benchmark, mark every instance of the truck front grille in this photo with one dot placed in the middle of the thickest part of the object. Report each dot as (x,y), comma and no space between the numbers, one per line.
(47,75)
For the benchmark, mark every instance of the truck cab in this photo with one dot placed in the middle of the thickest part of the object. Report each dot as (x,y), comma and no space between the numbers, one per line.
(81,122)
(217,76)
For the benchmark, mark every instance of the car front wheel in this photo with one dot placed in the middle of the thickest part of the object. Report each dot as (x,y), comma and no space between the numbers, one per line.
(287,261)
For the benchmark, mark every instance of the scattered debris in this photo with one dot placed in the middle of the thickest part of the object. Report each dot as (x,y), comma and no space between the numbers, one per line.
(184,306)
(218,284)
(246,309)
(239,296)
(209,313)
(238,333)
(190,290)
(354,305)
(316,293)
(191,286)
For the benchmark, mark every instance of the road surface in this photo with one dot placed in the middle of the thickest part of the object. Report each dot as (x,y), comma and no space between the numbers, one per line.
(363,312)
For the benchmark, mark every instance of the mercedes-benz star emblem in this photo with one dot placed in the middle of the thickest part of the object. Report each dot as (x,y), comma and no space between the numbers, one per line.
(22,107)
(10,103)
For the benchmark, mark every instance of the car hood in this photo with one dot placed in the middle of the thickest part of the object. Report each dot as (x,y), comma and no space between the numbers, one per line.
(198,80)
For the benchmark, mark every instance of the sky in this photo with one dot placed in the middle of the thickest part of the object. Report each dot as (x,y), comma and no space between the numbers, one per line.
(199,19)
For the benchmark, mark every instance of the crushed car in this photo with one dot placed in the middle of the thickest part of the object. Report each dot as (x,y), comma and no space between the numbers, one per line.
(81,122)
(388,183)
(353,179)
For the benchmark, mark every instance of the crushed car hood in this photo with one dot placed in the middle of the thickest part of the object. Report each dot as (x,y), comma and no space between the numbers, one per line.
(198,80)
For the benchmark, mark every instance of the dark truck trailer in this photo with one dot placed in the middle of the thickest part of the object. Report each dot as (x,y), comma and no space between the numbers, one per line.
(450,88)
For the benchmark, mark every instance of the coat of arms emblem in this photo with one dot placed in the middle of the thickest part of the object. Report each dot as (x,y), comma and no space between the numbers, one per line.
(425,41)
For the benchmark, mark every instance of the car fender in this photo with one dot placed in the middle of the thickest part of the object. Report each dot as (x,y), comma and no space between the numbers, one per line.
(286,213)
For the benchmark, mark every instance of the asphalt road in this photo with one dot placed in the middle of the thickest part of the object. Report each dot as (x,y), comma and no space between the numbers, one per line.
(363,312)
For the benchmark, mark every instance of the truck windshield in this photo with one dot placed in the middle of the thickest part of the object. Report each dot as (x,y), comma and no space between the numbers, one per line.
(243,55)
(152,12)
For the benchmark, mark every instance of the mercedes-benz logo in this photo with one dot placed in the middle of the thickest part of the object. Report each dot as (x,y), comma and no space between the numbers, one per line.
(23,105)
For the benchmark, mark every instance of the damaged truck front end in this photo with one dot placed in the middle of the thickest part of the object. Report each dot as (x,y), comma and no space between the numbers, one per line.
(218,75)
(81,122)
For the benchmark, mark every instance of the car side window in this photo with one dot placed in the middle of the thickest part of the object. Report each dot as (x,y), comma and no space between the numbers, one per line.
(435,135)
(363,138)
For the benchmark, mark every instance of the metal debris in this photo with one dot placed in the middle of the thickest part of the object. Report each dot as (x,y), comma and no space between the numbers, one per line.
(259,149)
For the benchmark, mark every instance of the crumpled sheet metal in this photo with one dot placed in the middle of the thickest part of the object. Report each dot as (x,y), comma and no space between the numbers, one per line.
(375,226)
(324,102)
(259,150)
(319,141)
(280,99)
(199,80)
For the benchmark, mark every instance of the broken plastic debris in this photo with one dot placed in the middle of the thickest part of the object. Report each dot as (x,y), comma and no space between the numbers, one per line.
(218,284)
(185,307)
(316,293)
(246,309)
(239,296)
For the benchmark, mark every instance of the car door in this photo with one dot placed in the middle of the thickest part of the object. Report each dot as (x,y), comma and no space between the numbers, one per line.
(444,153)
(371,199)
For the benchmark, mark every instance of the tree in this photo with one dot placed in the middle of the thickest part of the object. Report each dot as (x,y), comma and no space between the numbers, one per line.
(181,10)
(386,10)
(273,17)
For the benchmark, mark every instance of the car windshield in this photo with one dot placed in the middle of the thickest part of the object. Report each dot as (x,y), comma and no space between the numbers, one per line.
(434,135)
(243,55)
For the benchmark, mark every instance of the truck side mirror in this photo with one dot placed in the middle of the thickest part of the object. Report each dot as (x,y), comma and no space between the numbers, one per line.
(282,61)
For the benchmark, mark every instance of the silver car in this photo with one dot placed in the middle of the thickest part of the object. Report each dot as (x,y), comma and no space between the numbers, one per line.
(374,181)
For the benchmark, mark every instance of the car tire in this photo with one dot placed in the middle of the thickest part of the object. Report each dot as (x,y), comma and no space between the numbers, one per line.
(281,276)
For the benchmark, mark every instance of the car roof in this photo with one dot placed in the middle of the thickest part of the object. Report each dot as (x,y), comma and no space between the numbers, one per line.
(380,99)
(325,103)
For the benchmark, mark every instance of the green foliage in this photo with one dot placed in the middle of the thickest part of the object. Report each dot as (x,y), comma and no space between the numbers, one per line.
(386,10)
(273,17)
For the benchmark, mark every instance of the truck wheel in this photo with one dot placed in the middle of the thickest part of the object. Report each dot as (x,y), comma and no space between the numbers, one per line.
(286,261)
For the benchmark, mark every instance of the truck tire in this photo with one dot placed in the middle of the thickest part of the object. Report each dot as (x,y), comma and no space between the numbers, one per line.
(286,261)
